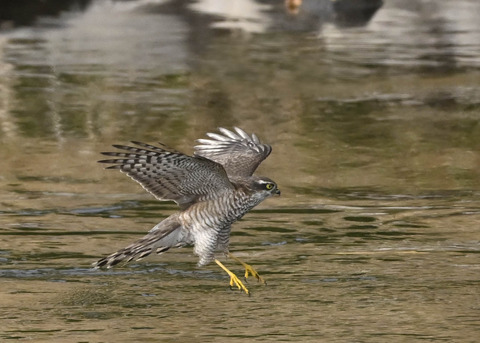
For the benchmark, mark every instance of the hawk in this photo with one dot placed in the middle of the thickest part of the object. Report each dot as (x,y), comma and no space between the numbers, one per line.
(214,188)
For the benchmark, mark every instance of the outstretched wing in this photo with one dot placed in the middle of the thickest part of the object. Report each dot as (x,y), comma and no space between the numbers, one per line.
(239,153)
(170,175)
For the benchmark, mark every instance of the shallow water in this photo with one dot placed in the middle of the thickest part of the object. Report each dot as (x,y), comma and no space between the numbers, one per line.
(374,123)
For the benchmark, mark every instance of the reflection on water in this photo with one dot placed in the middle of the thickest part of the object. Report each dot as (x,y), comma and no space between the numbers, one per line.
(374,126)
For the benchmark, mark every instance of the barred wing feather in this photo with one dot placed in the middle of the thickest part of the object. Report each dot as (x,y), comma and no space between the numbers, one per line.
(170,175)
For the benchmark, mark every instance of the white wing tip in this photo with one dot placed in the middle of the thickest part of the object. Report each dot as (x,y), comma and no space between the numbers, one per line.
(242,133)
(218,140)
(217,136)
(228,133)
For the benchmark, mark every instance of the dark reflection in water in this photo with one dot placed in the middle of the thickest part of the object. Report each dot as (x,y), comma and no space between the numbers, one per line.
(355,13)
(373,116)
(24,12)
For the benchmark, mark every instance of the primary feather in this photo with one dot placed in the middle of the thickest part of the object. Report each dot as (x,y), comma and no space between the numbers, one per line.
(239,153)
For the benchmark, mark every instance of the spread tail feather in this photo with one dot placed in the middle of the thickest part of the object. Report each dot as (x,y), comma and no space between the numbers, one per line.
(165,235)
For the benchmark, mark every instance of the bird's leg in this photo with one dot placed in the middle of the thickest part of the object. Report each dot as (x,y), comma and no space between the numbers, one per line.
(248,269)
(234,280)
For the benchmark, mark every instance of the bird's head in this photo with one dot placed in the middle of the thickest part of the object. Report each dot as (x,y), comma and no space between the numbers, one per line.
(265,187)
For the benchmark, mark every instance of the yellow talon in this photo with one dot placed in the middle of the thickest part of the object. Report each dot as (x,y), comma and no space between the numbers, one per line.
(248,269)
(234,280)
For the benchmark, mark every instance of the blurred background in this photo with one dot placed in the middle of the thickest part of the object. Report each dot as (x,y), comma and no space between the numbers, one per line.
(372,109)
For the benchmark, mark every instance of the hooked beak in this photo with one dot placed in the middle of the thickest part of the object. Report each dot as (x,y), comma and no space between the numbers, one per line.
(277,192)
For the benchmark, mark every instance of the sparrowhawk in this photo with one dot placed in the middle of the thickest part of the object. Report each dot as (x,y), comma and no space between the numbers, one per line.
(214,188)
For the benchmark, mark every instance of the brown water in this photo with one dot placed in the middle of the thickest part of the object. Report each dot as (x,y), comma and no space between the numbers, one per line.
(375,128)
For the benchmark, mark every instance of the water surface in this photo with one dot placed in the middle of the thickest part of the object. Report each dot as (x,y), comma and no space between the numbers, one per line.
(374,123)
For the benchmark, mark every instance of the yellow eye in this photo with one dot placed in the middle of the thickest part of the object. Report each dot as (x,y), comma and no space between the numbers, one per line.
(269,186)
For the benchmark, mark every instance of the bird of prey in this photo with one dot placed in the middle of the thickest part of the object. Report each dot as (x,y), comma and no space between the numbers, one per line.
(214,188)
